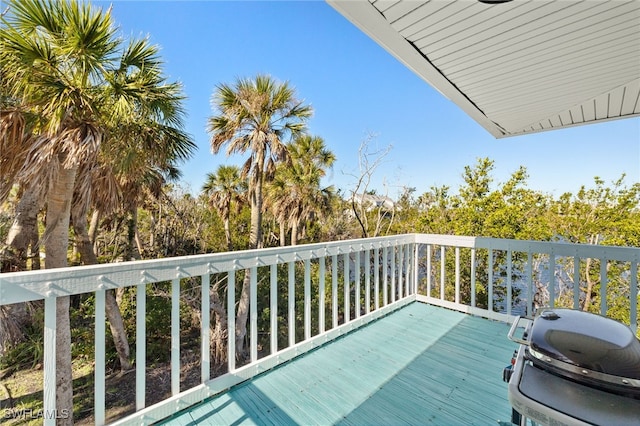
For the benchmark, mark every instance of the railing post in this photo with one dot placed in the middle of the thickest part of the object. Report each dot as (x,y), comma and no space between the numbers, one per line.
(321,293)
(473,277)
(175,336)
(205,335)
(49,382)
(253,313)
(231,320)
(347,288)
(273,307)
(307,299)
(291,303)
(141,345)
(100,358)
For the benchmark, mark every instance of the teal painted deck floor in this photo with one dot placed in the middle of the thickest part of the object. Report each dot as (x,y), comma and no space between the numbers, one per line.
(418,365)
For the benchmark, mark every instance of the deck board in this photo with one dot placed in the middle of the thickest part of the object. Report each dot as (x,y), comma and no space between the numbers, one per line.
(419,365)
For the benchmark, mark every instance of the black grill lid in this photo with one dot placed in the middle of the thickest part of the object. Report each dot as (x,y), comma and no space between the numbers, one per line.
(587,341)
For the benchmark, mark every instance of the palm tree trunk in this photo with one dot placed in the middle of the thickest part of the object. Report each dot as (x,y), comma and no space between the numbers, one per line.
(283,234)
(88,257)
(294,232)
(132,228)
(93,227)
(219,333)
(242,316)
(227,233)
(23,232)
(56,240)
(255,241)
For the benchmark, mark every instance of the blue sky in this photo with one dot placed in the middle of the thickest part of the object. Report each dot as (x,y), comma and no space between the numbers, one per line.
(356,88)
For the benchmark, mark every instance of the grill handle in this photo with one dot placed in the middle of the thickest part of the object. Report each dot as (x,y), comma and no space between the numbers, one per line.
(513,329)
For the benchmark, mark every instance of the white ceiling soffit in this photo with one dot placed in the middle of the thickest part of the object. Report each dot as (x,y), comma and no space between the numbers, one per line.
(517,67)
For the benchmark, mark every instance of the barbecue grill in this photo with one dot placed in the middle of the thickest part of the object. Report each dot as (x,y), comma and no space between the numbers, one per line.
(574,368)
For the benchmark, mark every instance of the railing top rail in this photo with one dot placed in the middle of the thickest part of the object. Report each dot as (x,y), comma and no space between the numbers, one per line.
(629,254)
(33,285)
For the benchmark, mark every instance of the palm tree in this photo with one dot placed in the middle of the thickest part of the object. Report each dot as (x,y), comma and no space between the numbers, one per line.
(295,193)
(144,116)
(59,60)
(255,116)
(223,188)
(53,56)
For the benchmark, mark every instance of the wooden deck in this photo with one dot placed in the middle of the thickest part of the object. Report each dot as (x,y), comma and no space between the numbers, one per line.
(419,365)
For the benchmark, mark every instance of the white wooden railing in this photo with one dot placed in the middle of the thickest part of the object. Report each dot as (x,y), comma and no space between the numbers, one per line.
(357,281)
(555,272)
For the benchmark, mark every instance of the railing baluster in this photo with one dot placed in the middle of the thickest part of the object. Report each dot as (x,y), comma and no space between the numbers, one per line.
(404,270)
(291,304)
(100,358)
(552,279)
(367,281)
(376,276)
(347,288)
(321,294)
(253,313)
(633,296)
(273,307)
(576,282)
(205,334)
(509,283)
(529,283)
(457,295)
(490,278)
(175,336)
(141,345)
(394,259)
(307,299)
(401,283)
(408,252)
(428,270)
(473,277)
(414,271)
(442,270)
(334,290)
(49,393)
(603,286)
(385,291)
(356,275)
(231,320)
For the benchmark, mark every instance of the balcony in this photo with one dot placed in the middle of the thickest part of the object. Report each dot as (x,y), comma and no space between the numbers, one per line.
(408,328)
